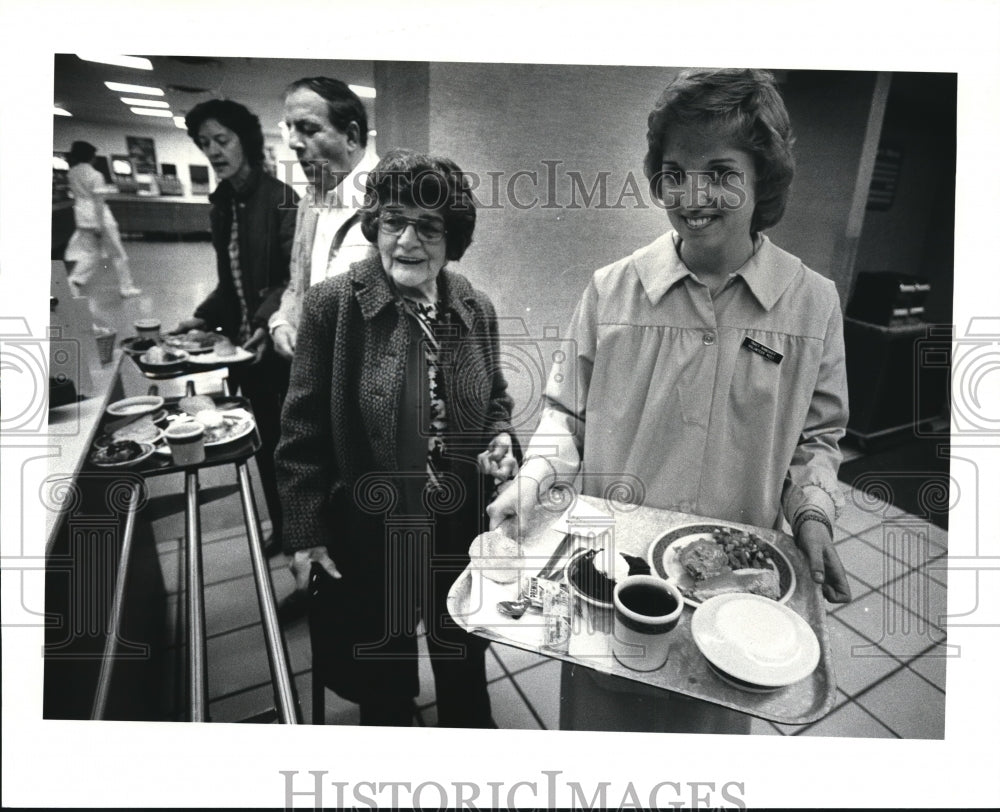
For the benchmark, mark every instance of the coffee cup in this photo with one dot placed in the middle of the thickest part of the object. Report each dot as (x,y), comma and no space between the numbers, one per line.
(187,443)
(646,609)
(147,328)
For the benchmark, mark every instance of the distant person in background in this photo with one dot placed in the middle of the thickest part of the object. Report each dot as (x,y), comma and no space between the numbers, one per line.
(252,229)
(96,235)
(328,131)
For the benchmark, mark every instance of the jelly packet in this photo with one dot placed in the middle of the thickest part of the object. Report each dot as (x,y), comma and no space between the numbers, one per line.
(556,614)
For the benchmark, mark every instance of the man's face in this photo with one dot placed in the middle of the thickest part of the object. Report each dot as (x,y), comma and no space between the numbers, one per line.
(325,153)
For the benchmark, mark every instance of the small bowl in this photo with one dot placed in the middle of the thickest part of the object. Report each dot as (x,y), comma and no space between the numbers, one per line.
(135,407)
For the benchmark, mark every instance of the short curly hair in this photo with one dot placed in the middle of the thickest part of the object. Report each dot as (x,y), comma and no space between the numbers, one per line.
(747,106)
(404,177)
(237,118)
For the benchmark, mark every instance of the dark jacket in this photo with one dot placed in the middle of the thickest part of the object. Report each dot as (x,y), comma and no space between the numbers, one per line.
(343,469)
(267,210)
(341,417)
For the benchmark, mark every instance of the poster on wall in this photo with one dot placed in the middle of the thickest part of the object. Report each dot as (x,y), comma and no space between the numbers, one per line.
(142,152)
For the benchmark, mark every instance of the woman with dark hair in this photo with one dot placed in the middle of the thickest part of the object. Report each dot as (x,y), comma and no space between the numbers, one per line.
(737,350)
(96,234)
(253,222)
(397,421)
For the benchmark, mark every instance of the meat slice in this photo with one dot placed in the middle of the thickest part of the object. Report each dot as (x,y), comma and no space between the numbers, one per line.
(703,559)
(756,582)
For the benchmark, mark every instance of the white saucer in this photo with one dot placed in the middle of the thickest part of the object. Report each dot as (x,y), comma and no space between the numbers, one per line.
(755,639)
(135,407)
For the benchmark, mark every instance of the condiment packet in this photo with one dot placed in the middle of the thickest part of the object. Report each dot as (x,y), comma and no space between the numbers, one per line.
(556,614)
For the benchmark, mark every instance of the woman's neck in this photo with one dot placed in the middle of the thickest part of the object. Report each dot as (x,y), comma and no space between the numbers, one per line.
(713,266)
(241,178)
(426,293)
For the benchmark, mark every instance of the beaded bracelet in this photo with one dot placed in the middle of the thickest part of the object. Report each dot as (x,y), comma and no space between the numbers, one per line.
(814,514)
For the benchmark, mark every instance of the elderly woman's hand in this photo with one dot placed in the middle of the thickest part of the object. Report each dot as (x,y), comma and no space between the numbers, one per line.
(520,502)
(498,459)
(301,564)
(816,543)
(257,343)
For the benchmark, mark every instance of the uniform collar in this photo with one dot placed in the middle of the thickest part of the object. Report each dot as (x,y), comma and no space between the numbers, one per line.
(350,192)
(767,274)
(373,292)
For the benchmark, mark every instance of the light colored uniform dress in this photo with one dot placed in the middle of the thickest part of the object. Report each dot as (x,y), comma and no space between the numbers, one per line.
(96,236)
(730,407)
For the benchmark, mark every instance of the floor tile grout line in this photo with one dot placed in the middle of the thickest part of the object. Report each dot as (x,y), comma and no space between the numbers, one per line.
(903,606)
(217,635)
(527,702)
(929,681)
(181,588)
(938,553)
(210,537)
(865,691)
(888,653)
(882,722)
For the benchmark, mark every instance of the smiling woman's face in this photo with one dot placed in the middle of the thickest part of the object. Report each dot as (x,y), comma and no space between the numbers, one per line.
(411,262)
(708,190)
(224,151)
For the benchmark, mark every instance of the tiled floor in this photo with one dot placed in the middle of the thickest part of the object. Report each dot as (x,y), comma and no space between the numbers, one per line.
(888,643)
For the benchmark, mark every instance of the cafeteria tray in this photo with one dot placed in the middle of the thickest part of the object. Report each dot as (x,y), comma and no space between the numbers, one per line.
(472,600)
(157,464)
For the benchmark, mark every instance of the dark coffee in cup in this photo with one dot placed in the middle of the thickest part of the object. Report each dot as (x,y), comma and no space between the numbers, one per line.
(647,600)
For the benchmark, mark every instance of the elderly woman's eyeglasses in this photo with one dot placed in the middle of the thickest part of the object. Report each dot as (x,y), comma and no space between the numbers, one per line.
(428,231)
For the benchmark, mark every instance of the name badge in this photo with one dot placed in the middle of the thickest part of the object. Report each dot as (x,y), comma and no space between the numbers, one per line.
(760,349)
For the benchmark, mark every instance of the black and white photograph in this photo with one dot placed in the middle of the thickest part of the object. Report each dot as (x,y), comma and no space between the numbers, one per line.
(469,405)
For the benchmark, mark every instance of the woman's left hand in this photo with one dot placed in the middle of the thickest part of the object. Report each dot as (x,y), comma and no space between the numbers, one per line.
(257,343)
(498,459)
(816,543)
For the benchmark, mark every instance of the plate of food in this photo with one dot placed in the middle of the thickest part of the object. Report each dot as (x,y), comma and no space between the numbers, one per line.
(121,454)
(192,342)
(143,430)
(137,345)
(754,643)
(163,359)
(134,407)
(705,560)
(224,352)
(224,427)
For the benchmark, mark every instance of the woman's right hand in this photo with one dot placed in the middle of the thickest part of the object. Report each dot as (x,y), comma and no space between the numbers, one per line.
(283,337)
(301,565)
(520,501)
(189,324)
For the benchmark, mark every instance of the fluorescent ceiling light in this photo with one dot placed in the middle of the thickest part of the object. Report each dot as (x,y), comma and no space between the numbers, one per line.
(145,102)
(123,88)
(137,62)
(179,123)
(151,111)
(58,111)
(363,92)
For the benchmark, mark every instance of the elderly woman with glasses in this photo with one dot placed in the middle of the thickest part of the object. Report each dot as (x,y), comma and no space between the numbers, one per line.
(395,429)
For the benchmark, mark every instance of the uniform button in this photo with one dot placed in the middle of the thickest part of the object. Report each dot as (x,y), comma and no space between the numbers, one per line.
(708,339)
